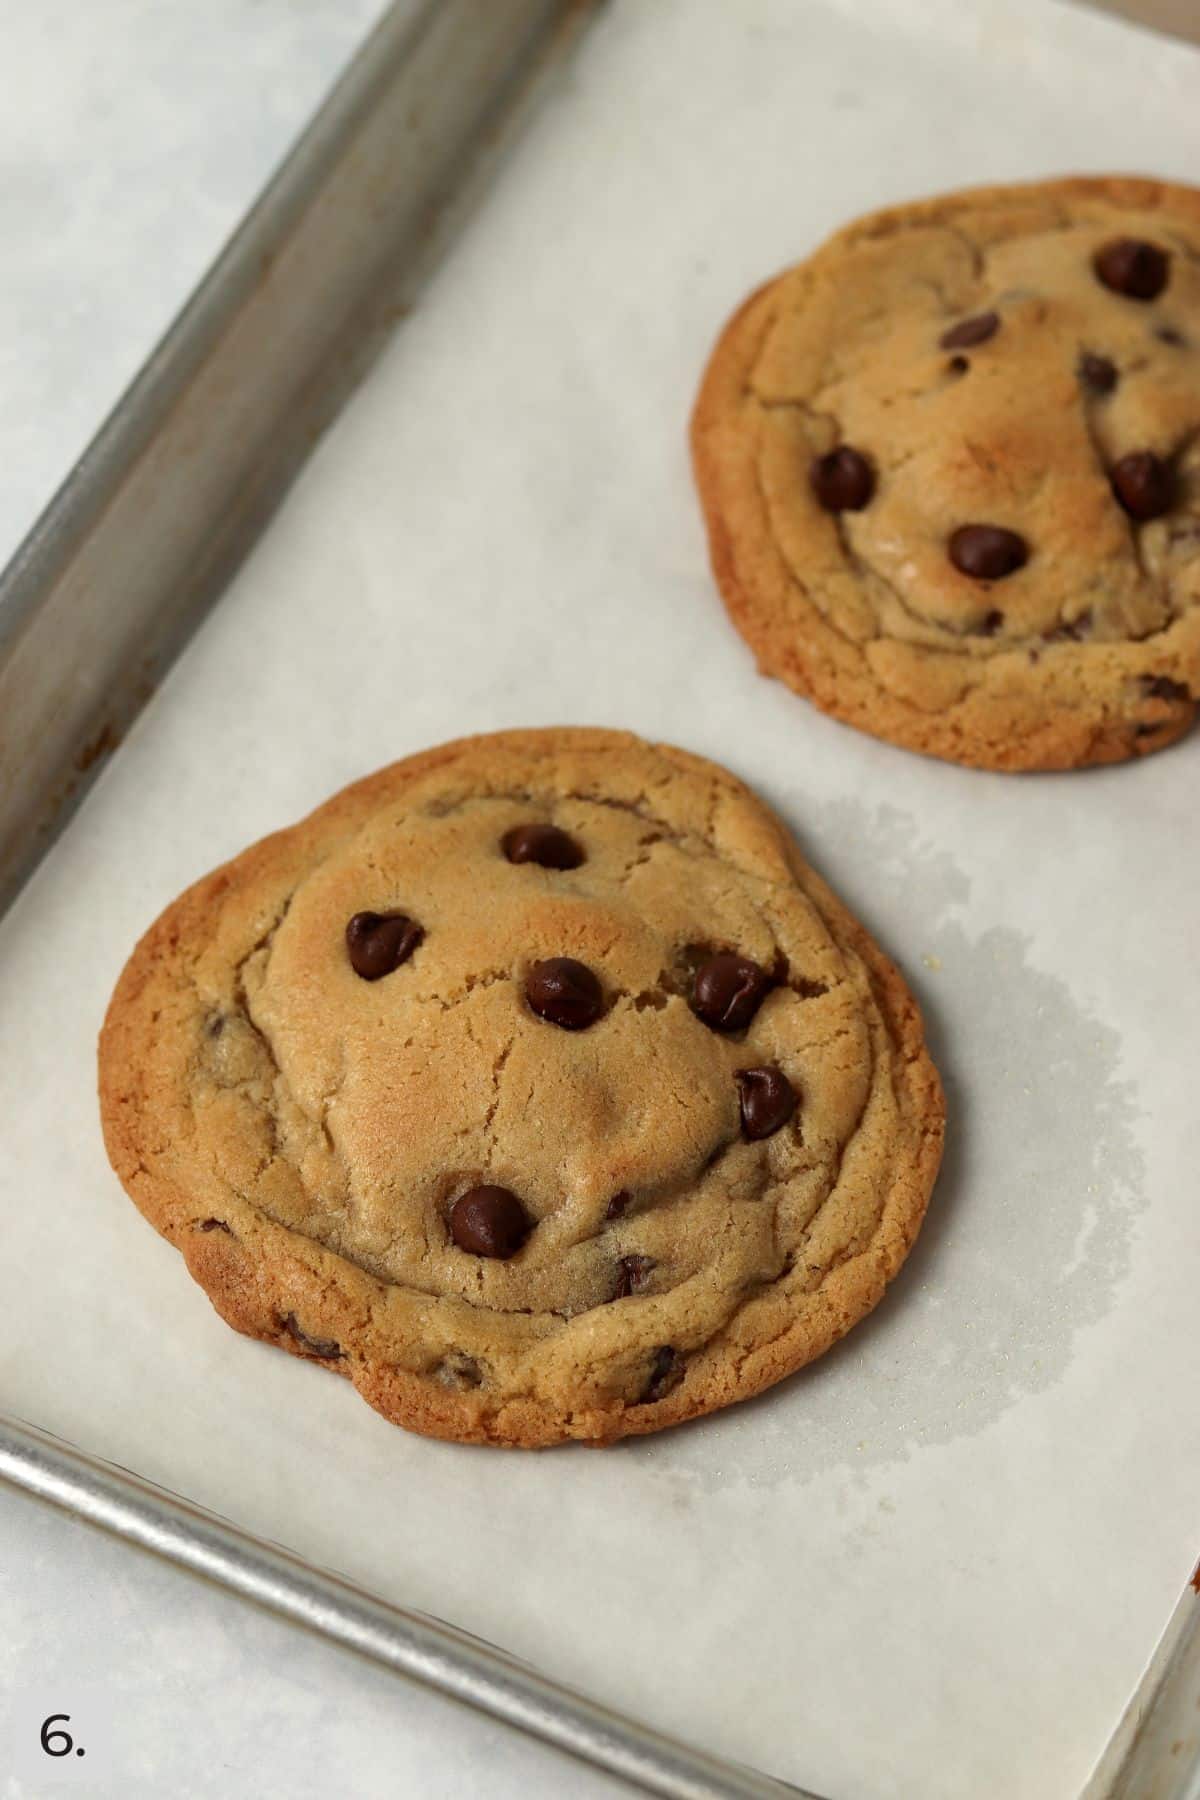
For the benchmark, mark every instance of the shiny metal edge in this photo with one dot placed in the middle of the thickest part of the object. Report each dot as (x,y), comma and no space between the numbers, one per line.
(409,1643)
(149,526)
(1155,1750)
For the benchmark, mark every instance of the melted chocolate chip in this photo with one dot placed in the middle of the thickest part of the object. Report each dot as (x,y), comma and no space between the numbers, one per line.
(987,552)
(489,1221)
(1143,484)
(1161,687)
(666,1372)
(632,1273)
(379,942)
(990,623)
(1097,373)
(617,1205)
(843,481)
(564,992)
(958,365)
(728,991)
(1073,629)
(768,1101)
(1132,267)
(325,1348)
(545,845)
(214,1225)
(976,330)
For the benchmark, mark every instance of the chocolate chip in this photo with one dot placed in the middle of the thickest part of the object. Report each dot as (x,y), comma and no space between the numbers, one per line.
(632,1273)
(323,1347)
(489,1221)
(214,1225)
(545,845)
(1097,373)
(987,552)
(666,1372)
(380,942)
(728,991)
(990,623)
(958,365)
(768,1101)
(843,481)
(1132,267)
(1074,629)
(1167,334)
(975,330)
(1143,484)
(1161,687)
(616,1206)
(564,992)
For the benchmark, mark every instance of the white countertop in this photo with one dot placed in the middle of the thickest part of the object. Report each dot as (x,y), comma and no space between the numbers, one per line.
(133,136)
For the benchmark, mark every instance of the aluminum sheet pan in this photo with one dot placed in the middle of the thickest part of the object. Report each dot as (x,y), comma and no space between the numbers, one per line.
(937,1562)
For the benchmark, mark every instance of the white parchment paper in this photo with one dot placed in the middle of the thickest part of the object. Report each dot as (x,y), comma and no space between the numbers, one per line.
(935,1562)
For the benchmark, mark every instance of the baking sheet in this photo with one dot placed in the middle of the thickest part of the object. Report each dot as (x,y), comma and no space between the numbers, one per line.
(938,1560)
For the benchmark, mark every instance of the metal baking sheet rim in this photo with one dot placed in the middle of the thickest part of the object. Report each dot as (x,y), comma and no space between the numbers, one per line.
(126,560)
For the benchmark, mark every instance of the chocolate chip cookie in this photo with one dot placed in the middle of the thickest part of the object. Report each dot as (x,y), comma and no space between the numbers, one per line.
(951,472)
(535,1083)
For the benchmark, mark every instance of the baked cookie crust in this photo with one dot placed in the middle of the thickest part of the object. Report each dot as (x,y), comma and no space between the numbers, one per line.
(950,468)
(324,1061)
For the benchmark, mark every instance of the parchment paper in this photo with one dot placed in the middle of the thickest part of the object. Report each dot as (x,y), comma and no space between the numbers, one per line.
(937,1561)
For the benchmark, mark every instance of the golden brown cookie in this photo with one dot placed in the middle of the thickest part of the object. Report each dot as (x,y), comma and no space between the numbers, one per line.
(950,467)
(534,1083)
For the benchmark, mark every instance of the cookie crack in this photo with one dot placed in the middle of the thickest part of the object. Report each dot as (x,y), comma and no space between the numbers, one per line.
(636,809)
(264,942)
(474,984)
(498,1066)
(549,797)
(327,1100)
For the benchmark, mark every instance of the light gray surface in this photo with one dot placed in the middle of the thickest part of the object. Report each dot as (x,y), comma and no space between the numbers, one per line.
(133,136)
(197,1695)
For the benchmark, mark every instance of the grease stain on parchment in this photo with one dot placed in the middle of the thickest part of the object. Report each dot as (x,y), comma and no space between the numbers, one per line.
(1028,1232)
